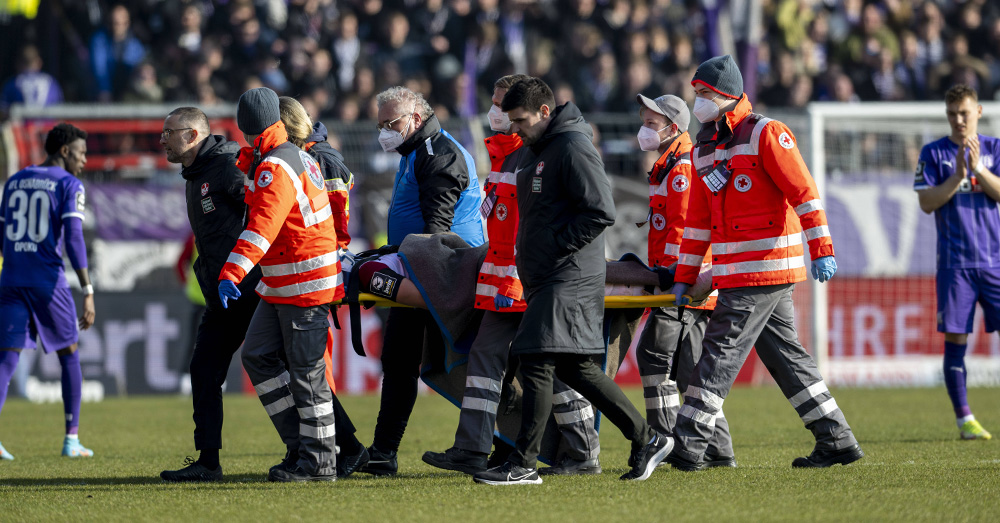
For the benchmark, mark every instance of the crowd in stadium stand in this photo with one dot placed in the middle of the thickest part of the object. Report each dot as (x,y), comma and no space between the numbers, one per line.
(335,55)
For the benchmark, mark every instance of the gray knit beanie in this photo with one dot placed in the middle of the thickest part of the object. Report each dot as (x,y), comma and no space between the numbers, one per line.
(258,109)
(722,75)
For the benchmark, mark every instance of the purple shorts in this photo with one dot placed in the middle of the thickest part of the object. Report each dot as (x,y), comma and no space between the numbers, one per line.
(958,290)
(27,312)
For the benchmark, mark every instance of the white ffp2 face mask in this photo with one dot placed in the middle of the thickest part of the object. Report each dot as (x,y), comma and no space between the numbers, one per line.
(649,139)
(390,139)
(499,121)
(705,110)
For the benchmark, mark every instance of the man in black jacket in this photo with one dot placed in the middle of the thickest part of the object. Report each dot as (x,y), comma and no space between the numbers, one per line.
(215,209)
(565,203)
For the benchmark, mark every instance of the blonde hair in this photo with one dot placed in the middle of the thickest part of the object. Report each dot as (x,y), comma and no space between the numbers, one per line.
(297,122)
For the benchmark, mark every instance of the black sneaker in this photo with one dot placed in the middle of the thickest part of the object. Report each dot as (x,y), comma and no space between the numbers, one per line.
(457,459)
(297,475)
(194,471)
(346,465)
(508,474)
(572,467)
(827,458)
(380,463)
(646,458)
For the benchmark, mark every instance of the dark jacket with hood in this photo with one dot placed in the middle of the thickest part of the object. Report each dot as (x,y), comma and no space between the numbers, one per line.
(338,178)
(216,211)
(565,203)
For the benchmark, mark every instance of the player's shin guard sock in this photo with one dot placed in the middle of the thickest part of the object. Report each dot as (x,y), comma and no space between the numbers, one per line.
(8,362)
(72,382)
(954,377)
(209,458)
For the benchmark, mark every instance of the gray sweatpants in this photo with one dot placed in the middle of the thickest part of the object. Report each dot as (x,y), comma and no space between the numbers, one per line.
(299,333)
(484,378)
(763,317)
(655,356)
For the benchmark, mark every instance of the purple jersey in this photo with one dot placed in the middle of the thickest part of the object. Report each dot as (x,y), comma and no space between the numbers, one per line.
(35,204)
(968,225)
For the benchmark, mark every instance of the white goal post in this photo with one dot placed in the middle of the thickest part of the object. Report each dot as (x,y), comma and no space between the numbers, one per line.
(863,157)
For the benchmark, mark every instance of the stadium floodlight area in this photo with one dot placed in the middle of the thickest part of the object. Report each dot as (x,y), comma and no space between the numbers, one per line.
(874,324)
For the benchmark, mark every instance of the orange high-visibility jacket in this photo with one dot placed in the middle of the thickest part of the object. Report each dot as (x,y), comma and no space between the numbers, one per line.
(498,275)
(754,223)
(289,231)
(669,191)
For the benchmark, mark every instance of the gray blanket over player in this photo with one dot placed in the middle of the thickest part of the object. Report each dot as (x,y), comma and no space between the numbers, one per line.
(444,269)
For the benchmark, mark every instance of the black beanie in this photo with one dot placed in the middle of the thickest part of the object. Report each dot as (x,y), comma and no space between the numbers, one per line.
(722,75)
(258,109)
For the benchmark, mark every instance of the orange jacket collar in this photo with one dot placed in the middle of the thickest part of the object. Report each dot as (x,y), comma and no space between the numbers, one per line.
(272,137)
(503,144)
(741,111)
(681,143)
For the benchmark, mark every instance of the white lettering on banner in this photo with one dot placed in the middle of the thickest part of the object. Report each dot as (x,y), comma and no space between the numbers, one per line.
(869,330)
(869,322)
(904,333)
(863,206)
(156,329)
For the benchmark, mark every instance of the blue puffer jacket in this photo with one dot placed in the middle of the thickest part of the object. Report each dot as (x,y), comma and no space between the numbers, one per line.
(436,188)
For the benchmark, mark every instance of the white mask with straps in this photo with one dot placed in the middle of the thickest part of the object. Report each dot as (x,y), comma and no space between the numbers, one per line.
(390,139)
(649,139)
(705,110)
(499,121)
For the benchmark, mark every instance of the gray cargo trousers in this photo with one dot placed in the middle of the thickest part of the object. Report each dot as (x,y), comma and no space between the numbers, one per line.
(655,358)
(745,317)
(484,377)
(297,398)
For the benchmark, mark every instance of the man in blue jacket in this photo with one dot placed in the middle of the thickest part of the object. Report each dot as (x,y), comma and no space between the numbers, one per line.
(436,190)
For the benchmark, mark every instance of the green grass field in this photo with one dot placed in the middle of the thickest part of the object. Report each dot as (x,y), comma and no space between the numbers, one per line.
(916,469)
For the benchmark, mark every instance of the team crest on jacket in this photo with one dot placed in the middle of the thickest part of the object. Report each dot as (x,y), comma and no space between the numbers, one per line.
(264,179)
(659,222)
(786,141)
(312,170)
(204,188)
(539,167)
(742,183)
(501,212)
(680,183)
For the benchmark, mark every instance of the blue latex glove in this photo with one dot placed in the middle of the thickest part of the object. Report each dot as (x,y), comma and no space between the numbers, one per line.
(824,268)
(503,302)
(228,291)
(679,290)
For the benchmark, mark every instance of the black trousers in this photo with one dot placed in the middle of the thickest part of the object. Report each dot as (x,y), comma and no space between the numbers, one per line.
(581,373)
(406,332)
(220,335)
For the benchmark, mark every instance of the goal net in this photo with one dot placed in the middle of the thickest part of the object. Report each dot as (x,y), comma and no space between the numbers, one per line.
(877,319)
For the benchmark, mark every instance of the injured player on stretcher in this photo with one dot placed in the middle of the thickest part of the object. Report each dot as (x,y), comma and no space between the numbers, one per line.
(439,273)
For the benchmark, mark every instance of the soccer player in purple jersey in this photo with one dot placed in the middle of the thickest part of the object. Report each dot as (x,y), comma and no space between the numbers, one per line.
(955,180)
(41,209)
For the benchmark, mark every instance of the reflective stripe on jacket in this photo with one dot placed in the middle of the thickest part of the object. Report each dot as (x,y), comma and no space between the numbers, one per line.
(290,230)
(498,275)
(669,190)
(754,223)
